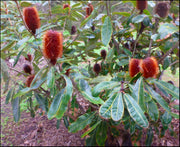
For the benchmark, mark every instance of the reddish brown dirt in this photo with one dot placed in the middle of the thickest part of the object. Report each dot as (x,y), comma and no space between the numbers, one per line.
(40,131)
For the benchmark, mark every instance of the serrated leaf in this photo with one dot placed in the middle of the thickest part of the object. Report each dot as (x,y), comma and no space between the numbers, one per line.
(51,77)
(169,88)
(105,109)
(66,97)
(85,90)
(158,98)
(101,133)
(139,18)
(106,31)
(167,29)
(152,110)
(81,122)
(9,95)
(8,47)
(5,74)
(90,129)
(117,109)
(43,102)
(104,86)
(135,111)
(110,55)
(138,91)
(122,13)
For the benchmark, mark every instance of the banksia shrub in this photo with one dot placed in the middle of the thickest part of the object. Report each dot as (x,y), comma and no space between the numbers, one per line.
(134,67)
(97,68)
(141,5)
(29,80)
(52,45)
(29,57)
(27,68)
(66,6)
(31,18)
(89,10)
(73,30)
(103,54)
(149,67)
(162,9)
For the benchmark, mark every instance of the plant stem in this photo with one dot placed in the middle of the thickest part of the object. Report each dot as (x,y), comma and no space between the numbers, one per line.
(18,71)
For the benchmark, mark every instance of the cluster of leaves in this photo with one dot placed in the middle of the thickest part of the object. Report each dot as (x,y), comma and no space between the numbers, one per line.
(114,97)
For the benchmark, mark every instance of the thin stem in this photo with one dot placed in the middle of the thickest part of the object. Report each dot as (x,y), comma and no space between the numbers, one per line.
(72,41)
(107,8)
(50,14)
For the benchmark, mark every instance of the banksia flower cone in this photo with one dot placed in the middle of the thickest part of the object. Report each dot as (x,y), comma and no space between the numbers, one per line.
(89,10)
(27,68)
(97,68)
(141,5)
(66,6)
(149,67)
(31,18)
(52,45)
(162,9)
(29,80)
(134,67)
(103,54)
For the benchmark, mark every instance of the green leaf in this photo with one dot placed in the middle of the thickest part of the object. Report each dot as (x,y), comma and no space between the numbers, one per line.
(149,137)
(100,79)
(81,122)
(135,111)
(58,123)
(106,31)
(122,13)
(174,115)
(51,77)
(117,109)
(152,110)
(138,91)
(101,133)
(65,99)
(105,109)
(9,95)
(85,90)
(55,105)
(166,29)
(104,86)
(43,102)
(169,88)
(110,55)
(17,58)
(166,118)
(25,4)
(91,141)
(8,47)
(16,108)
(158,98)
(123,62)
(90,129)
(5,74)
(60,102)
(139,18)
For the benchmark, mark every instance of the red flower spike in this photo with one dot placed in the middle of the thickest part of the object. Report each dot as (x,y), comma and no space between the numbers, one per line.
(149,67)
(31,18)
(52,45)
(134,67)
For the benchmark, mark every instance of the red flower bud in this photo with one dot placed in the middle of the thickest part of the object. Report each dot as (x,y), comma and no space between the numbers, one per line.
(29,80)
(31,18)
(141,5)
(27,68)
(89,10)
(162,9)
(97,68)
(103,54)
